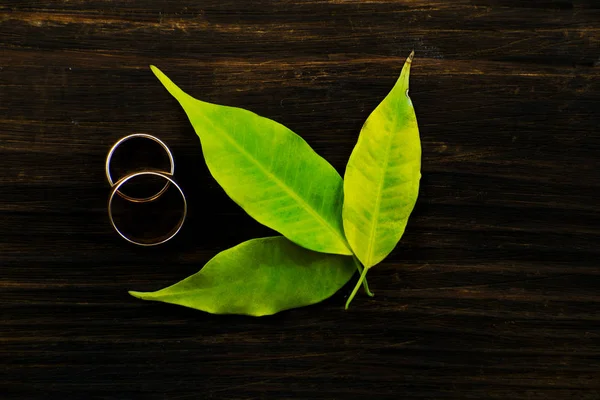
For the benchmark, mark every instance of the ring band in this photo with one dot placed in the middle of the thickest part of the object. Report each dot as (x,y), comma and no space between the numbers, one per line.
(145,136)
(121,182)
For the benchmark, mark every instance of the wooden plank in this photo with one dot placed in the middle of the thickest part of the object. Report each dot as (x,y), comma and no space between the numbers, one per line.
(493,291)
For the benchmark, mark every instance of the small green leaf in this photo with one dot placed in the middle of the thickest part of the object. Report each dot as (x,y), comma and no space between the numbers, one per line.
(271,172)
(381,182)
(259,277)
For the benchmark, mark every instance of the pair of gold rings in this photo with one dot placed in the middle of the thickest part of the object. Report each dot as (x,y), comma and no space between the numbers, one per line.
(117,186)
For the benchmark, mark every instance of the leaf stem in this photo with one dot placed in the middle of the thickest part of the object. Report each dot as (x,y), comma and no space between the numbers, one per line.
(365,283)
(360,281)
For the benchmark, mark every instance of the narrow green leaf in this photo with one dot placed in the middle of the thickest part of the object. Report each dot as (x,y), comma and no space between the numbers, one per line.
(259,277)
(271,172)
(381,182)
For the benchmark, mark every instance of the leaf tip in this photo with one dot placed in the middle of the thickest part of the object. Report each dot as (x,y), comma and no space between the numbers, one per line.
(157,72)
(183,98)
(402,82)
(139,295)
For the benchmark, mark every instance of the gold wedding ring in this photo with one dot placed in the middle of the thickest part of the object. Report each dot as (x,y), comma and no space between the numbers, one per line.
(145,136)
(169,235)
(116,189)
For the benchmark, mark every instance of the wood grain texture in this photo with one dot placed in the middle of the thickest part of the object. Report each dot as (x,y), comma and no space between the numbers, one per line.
(493,293)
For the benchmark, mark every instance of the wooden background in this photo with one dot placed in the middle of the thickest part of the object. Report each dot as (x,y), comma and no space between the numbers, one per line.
(493,293)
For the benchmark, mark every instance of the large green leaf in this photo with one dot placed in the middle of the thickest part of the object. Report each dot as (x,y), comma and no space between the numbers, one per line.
(271,172)
(381,182)
(259,277)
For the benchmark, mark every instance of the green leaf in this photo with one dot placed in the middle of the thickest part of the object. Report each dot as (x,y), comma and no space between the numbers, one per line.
(259,277)
(271,172)
(381,182)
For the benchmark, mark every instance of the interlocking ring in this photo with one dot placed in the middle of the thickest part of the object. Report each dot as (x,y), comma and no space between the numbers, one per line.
(121,182)
(145,136)
(116,188)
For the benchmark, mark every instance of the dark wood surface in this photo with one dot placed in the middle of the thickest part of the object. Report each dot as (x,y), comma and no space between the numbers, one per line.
(493,293)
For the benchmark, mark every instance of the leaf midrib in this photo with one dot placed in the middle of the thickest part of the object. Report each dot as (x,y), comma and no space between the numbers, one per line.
(282,185)
(375,214)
